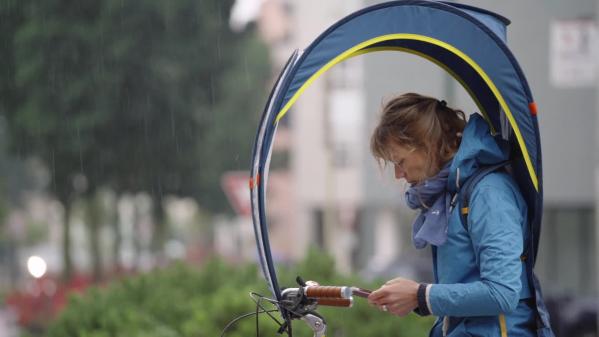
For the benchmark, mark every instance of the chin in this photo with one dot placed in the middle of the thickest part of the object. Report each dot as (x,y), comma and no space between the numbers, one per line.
(414,182)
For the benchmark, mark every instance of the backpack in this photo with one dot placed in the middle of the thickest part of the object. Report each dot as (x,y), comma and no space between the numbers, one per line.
(462,200)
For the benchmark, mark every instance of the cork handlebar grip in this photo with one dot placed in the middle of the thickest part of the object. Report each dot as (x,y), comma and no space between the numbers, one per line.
(335,302)
(328,292)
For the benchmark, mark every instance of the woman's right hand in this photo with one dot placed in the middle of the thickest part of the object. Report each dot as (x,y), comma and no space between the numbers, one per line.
(398,296)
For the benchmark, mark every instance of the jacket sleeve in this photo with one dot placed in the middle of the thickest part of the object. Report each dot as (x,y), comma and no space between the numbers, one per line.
(495,228)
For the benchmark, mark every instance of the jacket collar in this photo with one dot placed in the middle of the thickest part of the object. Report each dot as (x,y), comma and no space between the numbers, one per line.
(477,149)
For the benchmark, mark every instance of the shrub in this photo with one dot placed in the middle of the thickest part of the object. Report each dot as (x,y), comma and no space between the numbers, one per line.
(181,301)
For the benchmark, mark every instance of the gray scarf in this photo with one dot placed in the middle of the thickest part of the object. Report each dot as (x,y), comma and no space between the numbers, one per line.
(432,198)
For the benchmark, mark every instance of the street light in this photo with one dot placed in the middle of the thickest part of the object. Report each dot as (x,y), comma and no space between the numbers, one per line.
(36,266)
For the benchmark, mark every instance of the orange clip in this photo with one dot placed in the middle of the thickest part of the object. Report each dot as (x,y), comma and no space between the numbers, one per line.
(533,108)
(254,182)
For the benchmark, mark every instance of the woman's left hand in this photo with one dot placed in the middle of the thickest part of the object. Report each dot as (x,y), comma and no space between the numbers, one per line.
(398,296)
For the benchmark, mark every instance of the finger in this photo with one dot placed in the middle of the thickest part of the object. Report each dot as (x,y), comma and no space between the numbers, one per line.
(398,310)
(378,302)
(312,283)
(395,280)
(402,308)
(377,295)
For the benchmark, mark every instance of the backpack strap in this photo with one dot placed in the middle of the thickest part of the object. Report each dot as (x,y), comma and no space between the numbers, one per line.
(462,197)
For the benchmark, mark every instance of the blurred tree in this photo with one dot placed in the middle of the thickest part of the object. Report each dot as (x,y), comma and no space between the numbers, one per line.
(6,248)
(53,111)
(188,93)
(136,95)
(9,19)
(11,170)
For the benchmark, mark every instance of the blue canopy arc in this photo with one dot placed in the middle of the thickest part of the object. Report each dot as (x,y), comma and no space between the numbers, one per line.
(468,42)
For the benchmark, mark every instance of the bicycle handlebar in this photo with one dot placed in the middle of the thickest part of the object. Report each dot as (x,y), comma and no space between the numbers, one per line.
(301,303)
(324,295)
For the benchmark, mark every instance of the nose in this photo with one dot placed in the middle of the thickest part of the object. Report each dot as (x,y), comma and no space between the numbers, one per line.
(399,172)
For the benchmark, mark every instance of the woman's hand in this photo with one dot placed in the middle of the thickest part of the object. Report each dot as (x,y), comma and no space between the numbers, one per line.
(398,296)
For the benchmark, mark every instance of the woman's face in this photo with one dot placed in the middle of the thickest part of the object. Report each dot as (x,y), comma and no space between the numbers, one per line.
(410,164)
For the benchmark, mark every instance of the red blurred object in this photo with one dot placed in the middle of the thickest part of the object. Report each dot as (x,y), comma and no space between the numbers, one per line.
(43,298)
(235,186)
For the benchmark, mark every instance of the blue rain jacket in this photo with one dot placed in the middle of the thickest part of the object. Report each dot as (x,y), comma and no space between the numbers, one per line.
(481,285)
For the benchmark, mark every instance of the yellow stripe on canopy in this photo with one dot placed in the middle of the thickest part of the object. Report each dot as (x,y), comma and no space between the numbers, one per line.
(359,49)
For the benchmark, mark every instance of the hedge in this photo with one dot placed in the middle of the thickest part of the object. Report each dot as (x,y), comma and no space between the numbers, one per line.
(183,301)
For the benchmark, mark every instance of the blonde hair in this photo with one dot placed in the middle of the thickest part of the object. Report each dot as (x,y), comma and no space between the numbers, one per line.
(420,122)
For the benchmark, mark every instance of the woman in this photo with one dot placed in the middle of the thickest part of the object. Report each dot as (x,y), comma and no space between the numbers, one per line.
(481,287)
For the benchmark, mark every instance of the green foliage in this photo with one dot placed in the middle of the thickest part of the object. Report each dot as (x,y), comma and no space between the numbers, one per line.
(132,95)
(184,302)
(156,96)
(36,232)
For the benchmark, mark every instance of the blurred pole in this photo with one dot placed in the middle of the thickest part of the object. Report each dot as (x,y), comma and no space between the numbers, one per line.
(597,158)
(330,203)
(449,84)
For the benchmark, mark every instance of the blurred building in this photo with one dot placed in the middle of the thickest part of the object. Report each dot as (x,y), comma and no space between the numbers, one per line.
(316,151)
